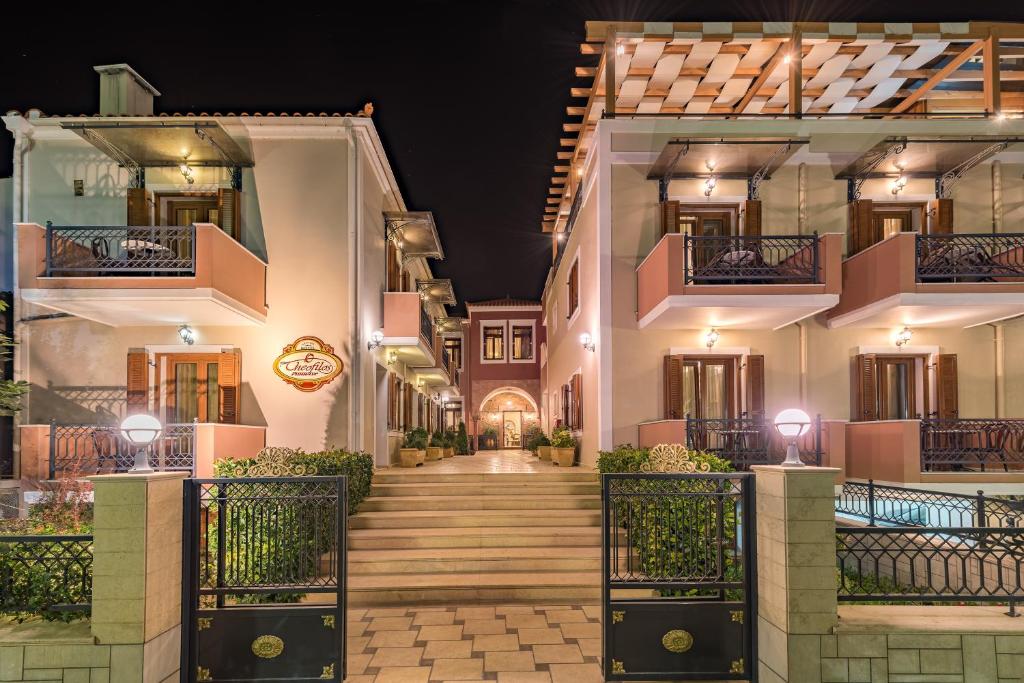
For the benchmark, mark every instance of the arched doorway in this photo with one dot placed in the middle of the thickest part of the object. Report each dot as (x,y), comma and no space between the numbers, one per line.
(506,413)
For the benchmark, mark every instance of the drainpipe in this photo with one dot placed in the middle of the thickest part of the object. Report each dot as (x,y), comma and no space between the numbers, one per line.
(1000,369)
(802,361)
(801,193)
(997,196)
(355,186)
(20,366)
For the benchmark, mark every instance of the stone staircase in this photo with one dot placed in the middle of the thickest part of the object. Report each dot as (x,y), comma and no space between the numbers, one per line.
(423,538)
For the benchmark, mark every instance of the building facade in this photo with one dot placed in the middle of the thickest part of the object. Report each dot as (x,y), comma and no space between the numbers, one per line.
(250,280)
(726,253)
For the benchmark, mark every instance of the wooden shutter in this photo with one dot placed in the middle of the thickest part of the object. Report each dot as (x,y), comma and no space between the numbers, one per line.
(138,382)
(229,377)
(228,212)
(669,217)
(865,384)
(755,386)
(574,288)
(392,267)
(566,406)
(752,217)
(946,390)
(577,401)
(673,387)
(407,408)
(405,281)
(860,234)
(940,216)
(138,207)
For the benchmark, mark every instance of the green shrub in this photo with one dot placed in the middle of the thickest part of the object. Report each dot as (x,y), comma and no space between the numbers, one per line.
(534,437)
(416,438)
(562,438)
(448,438)
(436,440)
(462,440)
(30,588)
(624,458)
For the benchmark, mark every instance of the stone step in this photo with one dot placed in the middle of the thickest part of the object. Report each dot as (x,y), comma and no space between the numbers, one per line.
(525,488)
(473,537)
(377,503)
(417,476)
(427,519)
(475,560)
(474,587)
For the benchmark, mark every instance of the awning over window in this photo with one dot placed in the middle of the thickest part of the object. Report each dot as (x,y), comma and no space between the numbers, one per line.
(920,157)
(725,157)
(415,233)
(438,291)
(162,143)
(449,324)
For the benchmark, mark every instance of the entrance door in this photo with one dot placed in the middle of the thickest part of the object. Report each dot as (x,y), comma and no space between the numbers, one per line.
(700,564)
(512,429)
(708,388)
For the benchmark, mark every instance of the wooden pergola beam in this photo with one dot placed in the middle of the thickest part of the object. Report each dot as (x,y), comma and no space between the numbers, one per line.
(777,57)
(609,72)
(939,76)
(991,84)
(796,75)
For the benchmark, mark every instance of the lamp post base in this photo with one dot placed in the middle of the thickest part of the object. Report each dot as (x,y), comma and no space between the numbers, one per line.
(792,456)
(141,462)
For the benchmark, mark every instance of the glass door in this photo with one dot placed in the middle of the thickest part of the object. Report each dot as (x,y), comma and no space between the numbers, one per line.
(513,429)
(708,388)
(191,388)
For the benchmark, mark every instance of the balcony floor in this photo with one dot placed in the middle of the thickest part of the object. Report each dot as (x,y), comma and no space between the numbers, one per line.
(741,311)
(934,309)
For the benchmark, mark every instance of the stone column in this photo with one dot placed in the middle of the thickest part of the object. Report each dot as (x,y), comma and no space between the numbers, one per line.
(136,607)
(796,585)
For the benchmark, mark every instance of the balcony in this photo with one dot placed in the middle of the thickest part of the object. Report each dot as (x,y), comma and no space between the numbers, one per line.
(439,376)
(950,280)
(142,275)
(745,282)
(408,329)
(58,450)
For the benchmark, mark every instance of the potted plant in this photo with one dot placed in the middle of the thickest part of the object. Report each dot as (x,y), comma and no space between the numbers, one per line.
(435,450)
(449,443)
(544,447)
(531,438)
(563,448)
(413,450)
(489,439)
(462,440)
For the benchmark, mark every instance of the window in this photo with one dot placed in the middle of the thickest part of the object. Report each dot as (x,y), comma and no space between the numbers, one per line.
(494,342)
(896,387)
(573,288)
(197,386)
(572,403)
(522,342)
(454,347)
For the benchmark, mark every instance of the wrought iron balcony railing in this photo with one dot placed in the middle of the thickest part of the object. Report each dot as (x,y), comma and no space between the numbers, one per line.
(120,250)
(426,327)
(877,503)
(82,449)
(970,258)
(751,260)
(446,363)
(971,444)
(746,441)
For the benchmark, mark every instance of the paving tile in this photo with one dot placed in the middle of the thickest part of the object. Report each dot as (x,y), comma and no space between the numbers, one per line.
(357,645)
(366,678)
(509,661)
(530,620)
(390,624)
(577,630)
(433,619)
(453,632)
(356,664)
(513,609)
(560,654)
(590,647)
(397,656)
(564,616)
(355,614)
(457,670)
(476,627)
(402,674)
(448,649)
(393,639)
(356,629)
(503,643)
(592,611)
(524,677)
(540,636)
(576,673)
(465,613)
(387,612)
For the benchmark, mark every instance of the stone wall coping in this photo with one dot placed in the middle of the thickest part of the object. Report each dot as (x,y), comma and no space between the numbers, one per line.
(137,476)
(794,470)
(958,619)
(37,632)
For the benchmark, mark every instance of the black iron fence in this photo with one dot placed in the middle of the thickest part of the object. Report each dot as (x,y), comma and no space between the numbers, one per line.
(982,257)
(41,574)
(880,504)
(83,449)
(426,327)
(747,441)
(751,260)
(971,444)
(119,250)
(917,564)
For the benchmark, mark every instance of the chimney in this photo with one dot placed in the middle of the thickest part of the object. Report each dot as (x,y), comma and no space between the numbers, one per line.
(123,92)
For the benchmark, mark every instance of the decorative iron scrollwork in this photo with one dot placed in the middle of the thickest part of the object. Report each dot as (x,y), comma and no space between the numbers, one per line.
(736,615)
(273,461)
(672,457)
(203,623)
(267,647)
(203,674)
(618,616)
(328,621)
(677,640)
(328,673)
(617,667)
(737,666)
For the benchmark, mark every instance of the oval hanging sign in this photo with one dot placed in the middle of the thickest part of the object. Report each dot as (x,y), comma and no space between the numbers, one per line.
(308,363)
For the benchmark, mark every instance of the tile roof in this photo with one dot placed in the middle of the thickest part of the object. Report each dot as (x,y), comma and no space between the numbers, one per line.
(507,302)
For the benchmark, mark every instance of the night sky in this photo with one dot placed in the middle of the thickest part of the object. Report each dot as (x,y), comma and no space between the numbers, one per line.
(469,98)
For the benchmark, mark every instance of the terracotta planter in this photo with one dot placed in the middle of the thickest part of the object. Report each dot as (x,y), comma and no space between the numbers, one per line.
(434,453)
(449,452)
(544,452)
(410,457)
(563,457)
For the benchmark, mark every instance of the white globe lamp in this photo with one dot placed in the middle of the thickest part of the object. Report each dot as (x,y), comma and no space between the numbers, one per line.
(791,424)
(141,430)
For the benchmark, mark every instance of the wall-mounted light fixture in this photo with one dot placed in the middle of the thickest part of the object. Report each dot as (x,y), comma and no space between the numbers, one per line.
(560,237)
(712,180)
(587,341)
(900,182)
(392,358)
(186,170)
(711,338)
(187,334)
(376,339)
(903,336)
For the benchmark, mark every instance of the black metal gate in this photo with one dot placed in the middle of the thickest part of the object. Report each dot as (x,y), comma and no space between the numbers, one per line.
(680,583)
(264,579)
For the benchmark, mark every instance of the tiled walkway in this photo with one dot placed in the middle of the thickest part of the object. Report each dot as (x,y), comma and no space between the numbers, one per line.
(483,462)
(513,644)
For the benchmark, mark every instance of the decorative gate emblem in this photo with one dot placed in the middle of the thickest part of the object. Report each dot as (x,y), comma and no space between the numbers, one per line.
(672,457)
(267,647)
(677,641)
(308,363)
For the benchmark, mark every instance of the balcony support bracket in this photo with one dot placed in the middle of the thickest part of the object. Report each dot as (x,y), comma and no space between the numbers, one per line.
(764,173)
(136,173)
(871,161)
(944,183)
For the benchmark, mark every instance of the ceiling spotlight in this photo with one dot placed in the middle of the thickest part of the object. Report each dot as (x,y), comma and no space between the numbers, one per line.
(620,49)
(787,59)
(560,237)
